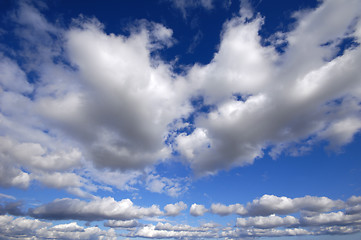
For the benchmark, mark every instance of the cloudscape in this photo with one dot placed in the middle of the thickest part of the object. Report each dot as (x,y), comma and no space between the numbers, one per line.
(202,119)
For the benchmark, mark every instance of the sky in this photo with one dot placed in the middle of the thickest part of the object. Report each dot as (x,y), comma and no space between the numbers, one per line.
(162,119)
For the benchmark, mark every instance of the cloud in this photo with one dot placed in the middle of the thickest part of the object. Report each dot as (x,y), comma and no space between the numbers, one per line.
(91,107)
(146,101)
(171,186)
(270,204)
(97,209)
(13,208)
(271,221)
(185,6)
(169,231)
(121,224)
(331,219)
(174,209)
(256,232)
(15,228)
(263,99)
(310,216)
(223,210)
(197,210)
(2,195)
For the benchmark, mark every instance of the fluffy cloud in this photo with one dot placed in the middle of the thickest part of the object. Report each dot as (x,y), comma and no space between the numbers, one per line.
(174,209)
(93,109)
(223,210)
(34,229)
(197,210)
(271,221)
(169,231)
(97,209)
(289,100)
(312,216)
(329,219)
(270,204)
(132,136)
(256,232)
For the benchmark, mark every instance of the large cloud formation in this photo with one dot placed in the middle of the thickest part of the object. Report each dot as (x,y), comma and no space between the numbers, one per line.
(92,101)
(263,99)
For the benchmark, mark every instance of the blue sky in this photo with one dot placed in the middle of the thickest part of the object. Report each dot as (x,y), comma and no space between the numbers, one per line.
(180,119)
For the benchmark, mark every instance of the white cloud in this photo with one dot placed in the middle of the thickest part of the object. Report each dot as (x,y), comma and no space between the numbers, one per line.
(174,209)
(328,219)
(257,232)
(270,204)
(145,101)
(101,110)
(271,221)
(97,209)
(19,227)
(2,195)
(168,231)
(171,186)
(74,231)
(223,210)
(12,78)
(197,210)
(264,99)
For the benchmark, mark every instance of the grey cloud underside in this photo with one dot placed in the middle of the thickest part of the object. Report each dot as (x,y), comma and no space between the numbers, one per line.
(268,216)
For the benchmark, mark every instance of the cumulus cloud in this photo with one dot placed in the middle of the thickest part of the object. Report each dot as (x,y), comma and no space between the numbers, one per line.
(15,228)
(47,127)
(329,219)
(169,231)
(223,210)
(97,209)
(93,108)
(270,204)
(257,232)
(121,223)
(146,101)
(174,209)
(197,210)
(291,99)
(311,216)
(271,221)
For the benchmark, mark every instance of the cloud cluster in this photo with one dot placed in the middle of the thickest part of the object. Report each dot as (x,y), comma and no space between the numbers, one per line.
(284,102)
(97,209)
(174,231)
(268,216)
(24,228)
(78,104)
(78,107)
